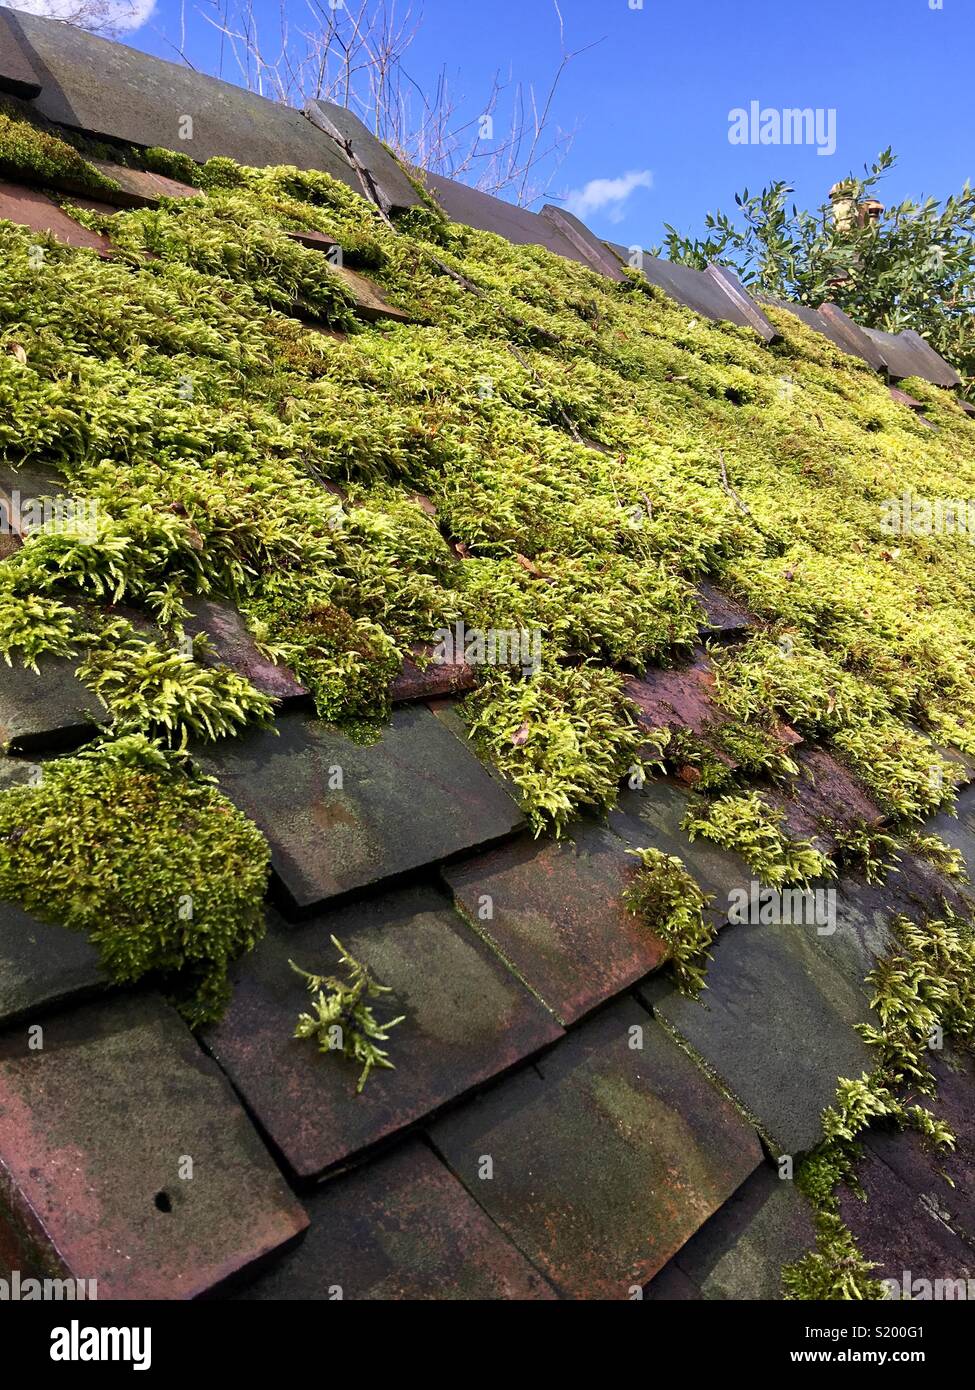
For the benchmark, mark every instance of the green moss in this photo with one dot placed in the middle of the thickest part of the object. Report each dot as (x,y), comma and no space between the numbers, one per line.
(39,156)
(563,735)
(173,164)
(343,1019)
(748,826)
(149,686)
(834,1270)
(669,902)
(551,417)
(159,869)
(921,992)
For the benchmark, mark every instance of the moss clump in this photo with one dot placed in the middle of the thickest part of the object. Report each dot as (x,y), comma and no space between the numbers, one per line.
(159,869)
(173,164)
(343,1019)
(750,827)
(834,1270)
(922,991)
(862,846)
(27,152)
(564,735)
(148,686)
(725,755)
(665,897)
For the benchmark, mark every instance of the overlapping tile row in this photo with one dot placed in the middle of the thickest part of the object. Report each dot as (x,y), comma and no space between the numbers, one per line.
(466,1019)
(605,1157)
(110,90)
(138,99)
(401,1227)
(741,1252)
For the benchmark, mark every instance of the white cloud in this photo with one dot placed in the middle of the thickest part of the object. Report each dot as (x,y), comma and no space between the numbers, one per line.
(104,16)
(601,194)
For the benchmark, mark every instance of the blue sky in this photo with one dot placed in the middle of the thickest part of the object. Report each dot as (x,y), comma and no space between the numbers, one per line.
(650,103)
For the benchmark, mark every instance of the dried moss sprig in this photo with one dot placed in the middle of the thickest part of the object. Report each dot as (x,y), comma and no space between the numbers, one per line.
(342,1020)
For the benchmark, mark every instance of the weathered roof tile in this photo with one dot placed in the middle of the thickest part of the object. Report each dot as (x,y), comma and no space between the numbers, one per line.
(401,1227)
(46,709)
(741,1251)
(341,815)
(467,1019)
(234,645)
(775,1024)
(127,1160)
(552,908)
(42,965)
(604,1158)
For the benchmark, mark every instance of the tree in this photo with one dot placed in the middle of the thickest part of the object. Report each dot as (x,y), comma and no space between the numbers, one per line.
(354,53)
(109,17)
(908,266)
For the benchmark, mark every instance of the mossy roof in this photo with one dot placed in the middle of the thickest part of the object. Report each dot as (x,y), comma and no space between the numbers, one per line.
(696,541)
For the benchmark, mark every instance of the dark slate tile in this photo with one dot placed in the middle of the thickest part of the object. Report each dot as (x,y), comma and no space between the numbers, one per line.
(651,818)
(865,911)
(414,797)
(725,619)
(23,492)
(234,646)
(739,1254)
(907,354)
(488,214)
(400,1228)
(679,699)
(28,207)
(744,310)
(17,76)
(852,337)
(897,1230)
(605,1158)
(714,292)
(93,1129)
(107,88)
(552,909)
(369,301)
(467,1019)
(944,1182)
(775,1024)
(688,286)
(41,964)
(902,398)
(385,182)
(593,251)
(46,709)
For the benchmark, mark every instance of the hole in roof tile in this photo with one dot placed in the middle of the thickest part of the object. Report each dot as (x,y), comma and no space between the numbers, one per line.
(163,1202)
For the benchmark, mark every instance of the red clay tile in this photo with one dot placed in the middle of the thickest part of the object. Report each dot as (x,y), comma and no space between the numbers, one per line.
(29,208)
(552,909)
(431,681)
(234,645)
(97,1128)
